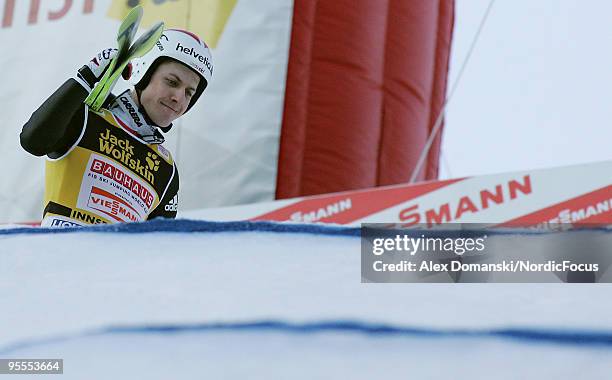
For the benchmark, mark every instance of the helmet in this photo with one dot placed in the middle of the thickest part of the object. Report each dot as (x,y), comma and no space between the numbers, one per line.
(179,45)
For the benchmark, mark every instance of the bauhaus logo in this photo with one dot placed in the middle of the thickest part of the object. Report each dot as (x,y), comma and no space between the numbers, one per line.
(122,178)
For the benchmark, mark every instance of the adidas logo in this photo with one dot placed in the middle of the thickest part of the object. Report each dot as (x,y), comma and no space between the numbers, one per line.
(173,205)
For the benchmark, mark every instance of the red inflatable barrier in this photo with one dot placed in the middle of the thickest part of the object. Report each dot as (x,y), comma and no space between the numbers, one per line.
(366,81)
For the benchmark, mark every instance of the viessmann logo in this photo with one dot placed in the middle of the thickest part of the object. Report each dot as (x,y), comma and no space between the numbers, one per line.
(211,15)
(123,151)
(322,212)
(467,204)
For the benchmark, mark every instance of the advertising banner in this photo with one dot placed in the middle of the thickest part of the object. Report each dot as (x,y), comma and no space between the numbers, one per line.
(225,147)
(568,195)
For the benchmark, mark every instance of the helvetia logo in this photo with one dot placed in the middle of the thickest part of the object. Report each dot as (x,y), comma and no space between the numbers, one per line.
(198,56)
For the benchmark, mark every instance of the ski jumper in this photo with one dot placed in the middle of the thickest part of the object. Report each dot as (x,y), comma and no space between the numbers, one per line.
(102,167)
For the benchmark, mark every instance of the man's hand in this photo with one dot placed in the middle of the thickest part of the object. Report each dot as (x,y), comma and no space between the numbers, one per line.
(93,71)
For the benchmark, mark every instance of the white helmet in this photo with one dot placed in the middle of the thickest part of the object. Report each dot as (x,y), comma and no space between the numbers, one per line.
(179,45)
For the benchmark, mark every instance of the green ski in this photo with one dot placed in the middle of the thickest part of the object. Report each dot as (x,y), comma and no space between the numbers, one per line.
(139,48)
(126,52)
(126,33)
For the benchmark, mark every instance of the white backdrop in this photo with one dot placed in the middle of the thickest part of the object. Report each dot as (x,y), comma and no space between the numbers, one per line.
(226,146)
(536,90)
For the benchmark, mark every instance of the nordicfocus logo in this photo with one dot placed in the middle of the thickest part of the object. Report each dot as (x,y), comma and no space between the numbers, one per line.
(128,105)
(199,57)
(122,150)
(173,205)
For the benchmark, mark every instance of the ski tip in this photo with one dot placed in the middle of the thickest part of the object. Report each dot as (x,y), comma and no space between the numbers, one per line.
(159,28)
(159,25)
(137,11)
(131,21)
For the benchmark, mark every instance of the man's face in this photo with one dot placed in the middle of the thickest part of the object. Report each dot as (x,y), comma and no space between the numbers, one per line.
(169,92)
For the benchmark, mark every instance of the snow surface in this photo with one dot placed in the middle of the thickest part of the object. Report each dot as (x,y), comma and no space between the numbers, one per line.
(66,293)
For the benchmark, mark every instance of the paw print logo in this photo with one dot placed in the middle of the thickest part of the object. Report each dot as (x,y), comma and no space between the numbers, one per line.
(152,161)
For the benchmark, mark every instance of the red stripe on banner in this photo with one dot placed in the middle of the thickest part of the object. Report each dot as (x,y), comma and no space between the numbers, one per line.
(9,9)
(56,15)
(350,206)
(590,208)
(88,6)
(33,14)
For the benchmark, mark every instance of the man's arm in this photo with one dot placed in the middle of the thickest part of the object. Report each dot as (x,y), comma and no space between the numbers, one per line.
(168,206)
(57,123)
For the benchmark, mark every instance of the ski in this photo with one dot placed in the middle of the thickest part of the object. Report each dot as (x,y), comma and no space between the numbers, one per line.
(139,48)
(125,34)
(126,52)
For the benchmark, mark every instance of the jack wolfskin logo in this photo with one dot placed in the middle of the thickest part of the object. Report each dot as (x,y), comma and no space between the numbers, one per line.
(122,150)
(152,161)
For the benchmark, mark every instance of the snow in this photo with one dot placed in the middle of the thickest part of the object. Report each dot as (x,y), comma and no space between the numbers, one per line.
(278,355)
(64,294)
